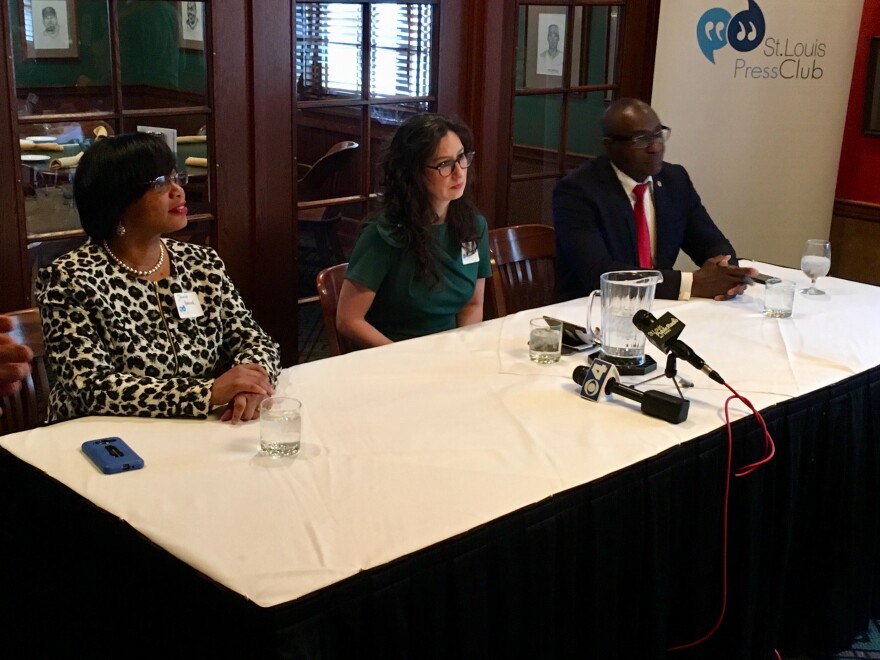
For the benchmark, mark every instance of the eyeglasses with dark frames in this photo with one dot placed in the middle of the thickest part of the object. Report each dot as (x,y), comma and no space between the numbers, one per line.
(162,183)
(643,140)
(447,166)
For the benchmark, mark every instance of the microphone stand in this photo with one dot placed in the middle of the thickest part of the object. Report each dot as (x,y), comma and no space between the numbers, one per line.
(671,372)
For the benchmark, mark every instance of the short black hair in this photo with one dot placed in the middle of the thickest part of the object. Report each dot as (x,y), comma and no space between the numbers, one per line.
(113,174)
(49,11)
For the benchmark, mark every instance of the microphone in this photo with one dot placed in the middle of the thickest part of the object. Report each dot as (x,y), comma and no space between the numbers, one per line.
(601,377)
(664,332)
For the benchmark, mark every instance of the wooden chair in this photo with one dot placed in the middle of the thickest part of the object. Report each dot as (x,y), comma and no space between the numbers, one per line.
(26,409)
(329,282)
(523,267)
(317,183)
(325,170)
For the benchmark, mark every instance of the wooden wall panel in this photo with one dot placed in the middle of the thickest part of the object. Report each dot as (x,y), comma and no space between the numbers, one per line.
(640,23)
(14,283)
(855,241)
(253,160)
(274,252)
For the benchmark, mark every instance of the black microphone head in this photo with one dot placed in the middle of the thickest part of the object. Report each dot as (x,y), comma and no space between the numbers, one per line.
(665,406)
(580,373)
(643,319)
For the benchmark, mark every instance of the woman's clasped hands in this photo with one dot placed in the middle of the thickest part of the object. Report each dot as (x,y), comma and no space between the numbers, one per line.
(242,389)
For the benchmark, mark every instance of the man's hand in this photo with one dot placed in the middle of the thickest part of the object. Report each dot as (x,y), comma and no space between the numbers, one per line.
(719,280)
(14,360)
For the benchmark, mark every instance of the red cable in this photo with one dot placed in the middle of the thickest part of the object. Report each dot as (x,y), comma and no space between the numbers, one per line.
(769,452)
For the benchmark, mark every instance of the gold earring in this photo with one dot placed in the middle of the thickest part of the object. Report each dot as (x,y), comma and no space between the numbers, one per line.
(120,230)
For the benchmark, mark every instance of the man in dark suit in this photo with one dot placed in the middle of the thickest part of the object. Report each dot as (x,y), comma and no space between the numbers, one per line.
(605,221)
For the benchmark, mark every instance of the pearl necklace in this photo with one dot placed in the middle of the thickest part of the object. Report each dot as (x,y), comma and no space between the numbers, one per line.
(135,271)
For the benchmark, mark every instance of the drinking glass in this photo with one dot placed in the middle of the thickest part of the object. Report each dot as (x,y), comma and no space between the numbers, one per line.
(280,426)
(815,262)
(545,340)
(778,298)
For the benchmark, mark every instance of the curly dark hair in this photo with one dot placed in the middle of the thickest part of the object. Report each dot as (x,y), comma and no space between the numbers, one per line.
(406,202)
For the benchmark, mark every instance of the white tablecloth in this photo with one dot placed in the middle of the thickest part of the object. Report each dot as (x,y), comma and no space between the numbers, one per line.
(410,444)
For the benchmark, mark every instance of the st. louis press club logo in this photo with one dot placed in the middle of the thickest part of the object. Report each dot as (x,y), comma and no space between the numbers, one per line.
(762,57)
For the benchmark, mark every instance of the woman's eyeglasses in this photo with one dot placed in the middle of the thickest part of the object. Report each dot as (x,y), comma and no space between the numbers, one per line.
(162,183)
(447,166)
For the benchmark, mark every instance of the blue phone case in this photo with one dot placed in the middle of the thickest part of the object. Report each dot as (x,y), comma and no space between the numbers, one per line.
(112,455)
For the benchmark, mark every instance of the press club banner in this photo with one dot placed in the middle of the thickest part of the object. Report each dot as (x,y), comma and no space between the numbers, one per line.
(756,95)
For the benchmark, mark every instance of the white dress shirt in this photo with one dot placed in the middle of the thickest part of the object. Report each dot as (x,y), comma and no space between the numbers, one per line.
(629,184)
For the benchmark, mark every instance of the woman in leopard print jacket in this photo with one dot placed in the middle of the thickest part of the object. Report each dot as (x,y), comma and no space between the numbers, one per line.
(138,325)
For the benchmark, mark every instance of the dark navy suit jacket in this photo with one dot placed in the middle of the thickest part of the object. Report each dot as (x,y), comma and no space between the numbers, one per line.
(596,228)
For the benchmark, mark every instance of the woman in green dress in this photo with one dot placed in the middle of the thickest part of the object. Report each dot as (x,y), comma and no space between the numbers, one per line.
(419,265)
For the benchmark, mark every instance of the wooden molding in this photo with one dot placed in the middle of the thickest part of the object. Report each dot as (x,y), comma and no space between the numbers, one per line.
(855,241)
(848,208)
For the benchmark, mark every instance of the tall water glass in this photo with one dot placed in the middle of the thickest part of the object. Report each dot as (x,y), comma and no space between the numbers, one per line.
(815,262)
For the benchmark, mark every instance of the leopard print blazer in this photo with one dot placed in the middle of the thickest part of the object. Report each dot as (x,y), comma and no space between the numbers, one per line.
(117,346)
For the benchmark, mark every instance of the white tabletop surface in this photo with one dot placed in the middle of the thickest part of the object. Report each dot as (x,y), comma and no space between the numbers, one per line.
(410,444)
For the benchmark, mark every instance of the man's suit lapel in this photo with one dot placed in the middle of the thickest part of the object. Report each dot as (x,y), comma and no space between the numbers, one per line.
(663,210)
(622,208)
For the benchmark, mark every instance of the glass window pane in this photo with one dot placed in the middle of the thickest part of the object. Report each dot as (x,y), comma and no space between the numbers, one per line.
(48,193)
(536,130)
(320,130)
(328,60)
(384,120)
(584,136)
(162,54)
(531,202)
(594,45)
(61,56)
(400,63)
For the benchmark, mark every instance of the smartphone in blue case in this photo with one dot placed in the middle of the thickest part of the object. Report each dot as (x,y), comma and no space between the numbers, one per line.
(112,455)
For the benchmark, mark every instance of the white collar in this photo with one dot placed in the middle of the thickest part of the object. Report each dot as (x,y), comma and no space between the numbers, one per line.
(628,182)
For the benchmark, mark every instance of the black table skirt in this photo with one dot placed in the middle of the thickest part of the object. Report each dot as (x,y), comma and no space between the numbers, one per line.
(622,567)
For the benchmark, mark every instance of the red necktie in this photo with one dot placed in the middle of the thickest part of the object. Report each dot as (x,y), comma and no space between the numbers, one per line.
(642,235)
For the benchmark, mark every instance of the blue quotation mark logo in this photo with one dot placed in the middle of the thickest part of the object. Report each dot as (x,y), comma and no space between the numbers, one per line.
(716,28)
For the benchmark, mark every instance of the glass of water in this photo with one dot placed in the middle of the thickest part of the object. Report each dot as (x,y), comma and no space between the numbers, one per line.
(815,262)
(778,298)
(545,340)
(280,426)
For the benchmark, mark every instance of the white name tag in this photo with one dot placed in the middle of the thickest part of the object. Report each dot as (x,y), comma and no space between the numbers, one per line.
(469,253)
(188,305)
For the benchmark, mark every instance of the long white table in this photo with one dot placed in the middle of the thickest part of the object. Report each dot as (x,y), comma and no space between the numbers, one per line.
(408,445)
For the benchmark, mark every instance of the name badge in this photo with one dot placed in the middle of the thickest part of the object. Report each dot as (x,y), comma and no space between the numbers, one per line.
(469,253)
(188,305)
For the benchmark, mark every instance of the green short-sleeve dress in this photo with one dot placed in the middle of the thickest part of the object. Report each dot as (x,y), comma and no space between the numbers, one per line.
(405,306)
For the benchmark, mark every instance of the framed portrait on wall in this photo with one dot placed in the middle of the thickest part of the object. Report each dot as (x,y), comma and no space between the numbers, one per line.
(192,25)
(546,49)
(50,29)
(871,119)
(545,46)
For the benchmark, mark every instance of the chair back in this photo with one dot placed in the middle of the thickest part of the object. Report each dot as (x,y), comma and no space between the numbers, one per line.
(523,267)
(26,409)
(325,171)
(329,282)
